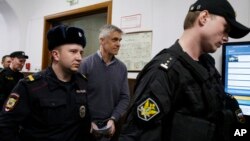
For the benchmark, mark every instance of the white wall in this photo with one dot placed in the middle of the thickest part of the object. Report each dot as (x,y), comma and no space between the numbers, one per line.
(164,17)
(3,37)
(9,29)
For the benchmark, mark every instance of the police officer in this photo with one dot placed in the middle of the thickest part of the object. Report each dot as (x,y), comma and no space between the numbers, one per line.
(11,75)
(179,95)
(6,60)
(51,105)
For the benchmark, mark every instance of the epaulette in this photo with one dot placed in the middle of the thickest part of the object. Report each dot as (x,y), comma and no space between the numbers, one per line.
(33,77)
(168,62)
(83,76)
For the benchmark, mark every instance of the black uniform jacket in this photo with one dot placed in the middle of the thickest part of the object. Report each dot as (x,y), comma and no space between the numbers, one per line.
(177,99)
(42,108)
(8,80)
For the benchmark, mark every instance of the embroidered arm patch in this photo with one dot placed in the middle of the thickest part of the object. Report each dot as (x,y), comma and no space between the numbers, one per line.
(11,102)
(147,109)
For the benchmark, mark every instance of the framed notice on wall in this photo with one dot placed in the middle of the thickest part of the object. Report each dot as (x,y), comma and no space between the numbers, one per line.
(135,50)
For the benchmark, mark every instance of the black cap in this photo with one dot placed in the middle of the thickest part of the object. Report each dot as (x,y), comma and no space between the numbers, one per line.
(222,8)
(19,54)
(63,34)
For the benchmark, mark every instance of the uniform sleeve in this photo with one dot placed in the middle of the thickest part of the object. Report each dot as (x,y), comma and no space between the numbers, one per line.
(2,93)
(151,104)
(14,112)
(124,99)
(153,96)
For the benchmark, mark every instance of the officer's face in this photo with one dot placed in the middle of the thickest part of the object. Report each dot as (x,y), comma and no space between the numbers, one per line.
(18,63)
(68,56)
(6,62)
(215,34)
(111,44)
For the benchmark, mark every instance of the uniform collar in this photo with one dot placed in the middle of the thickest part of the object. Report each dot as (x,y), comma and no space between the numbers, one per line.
(9,69)
(54,82)
(11,72)
(197,69)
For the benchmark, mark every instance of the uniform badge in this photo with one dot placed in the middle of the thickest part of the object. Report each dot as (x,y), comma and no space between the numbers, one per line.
(82,111)
(81,91)
(31,78)
(9,78)
(147,109)
(80,34)
(11,102)
(240,116)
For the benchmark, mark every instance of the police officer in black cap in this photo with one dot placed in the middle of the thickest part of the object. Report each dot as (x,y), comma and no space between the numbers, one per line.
(179,95)
(51,105)
(11,75)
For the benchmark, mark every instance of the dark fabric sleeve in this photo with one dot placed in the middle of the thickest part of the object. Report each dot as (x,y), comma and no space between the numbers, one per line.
(2,93)
(155,85)
(10,119)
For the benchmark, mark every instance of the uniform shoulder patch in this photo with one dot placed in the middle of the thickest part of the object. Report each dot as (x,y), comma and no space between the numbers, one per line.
(147,109)
(168,62)
(33,77)
(11,102)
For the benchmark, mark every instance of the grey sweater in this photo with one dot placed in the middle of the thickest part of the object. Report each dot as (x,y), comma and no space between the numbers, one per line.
(108,92)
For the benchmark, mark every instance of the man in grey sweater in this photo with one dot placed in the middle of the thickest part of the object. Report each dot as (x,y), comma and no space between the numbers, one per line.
(108,92)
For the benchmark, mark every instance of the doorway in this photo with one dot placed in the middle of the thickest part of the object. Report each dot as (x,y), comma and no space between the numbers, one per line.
(89,18)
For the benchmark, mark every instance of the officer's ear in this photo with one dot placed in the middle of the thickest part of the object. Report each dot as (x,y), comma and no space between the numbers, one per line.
(55,54)
(203,16)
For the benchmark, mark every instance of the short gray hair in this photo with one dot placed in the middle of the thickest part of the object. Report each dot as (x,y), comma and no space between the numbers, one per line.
(107,29)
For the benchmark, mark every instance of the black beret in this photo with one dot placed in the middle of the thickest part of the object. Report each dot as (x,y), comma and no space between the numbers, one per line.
(19,54)
(63,34)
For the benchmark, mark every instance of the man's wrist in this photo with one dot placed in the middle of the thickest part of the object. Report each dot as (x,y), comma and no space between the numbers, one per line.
(113,118)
